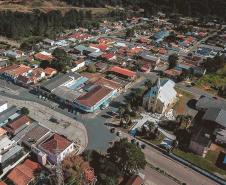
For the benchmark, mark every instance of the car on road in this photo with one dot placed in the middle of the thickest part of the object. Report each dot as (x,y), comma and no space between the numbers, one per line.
(143,146)
(112,130)
(119,133)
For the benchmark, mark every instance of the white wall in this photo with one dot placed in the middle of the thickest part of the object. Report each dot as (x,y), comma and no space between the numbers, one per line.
(3,107)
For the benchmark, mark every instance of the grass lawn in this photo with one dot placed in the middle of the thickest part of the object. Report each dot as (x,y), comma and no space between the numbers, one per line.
(207,163)
(214,79)
(153,141)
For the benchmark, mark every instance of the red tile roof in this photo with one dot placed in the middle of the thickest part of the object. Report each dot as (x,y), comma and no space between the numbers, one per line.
(49,71)
(102,47)
(173,72)
(24,173)
(108,56)
(16,70)
(94,96)
(40,56)
(122,71)
(55,142)
(17,123)
(2,183)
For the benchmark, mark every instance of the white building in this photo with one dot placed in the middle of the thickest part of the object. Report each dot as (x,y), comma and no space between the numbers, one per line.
(3,106)
(160,97)
(56,148)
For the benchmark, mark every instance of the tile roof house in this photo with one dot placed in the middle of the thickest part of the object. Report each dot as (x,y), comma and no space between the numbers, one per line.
(160,97)
(33,77)
(97,97)
(56,147)
(14,71)
(109,56)
(50,72)
(16,125)
(24,173)
(43,56)
(122,72)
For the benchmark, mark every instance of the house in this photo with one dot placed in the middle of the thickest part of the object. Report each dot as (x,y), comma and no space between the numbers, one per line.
(109,56)
(43,56)
(16,125)
(10,156)
(3,106)
(50,72)
(78,65)
(8,114)
(14,54)
(160,97)
(101,47)
(48,42)
(56,147)
(5,142)
(159,36)
(14,71)
(34,136)
(33,77)
(172,74)
(209,126)
(24,174)
(98,97)
(122,72)
(153,60)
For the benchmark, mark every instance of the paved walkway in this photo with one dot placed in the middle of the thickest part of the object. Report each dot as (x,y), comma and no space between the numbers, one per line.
(67,126)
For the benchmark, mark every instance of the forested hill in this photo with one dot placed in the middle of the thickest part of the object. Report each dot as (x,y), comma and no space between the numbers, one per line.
(185,7)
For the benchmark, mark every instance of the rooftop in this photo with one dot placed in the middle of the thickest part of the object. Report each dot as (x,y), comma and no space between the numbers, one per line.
(55,142)
(23,173)
(122,71)
(59,80)
(95,95)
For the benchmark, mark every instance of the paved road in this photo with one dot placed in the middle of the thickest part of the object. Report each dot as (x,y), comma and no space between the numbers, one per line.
(152,177)
(174,168)
(67,126)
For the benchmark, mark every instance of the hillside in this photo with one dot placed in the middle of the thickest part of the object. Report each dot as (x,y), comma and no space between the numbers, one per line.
(45,6)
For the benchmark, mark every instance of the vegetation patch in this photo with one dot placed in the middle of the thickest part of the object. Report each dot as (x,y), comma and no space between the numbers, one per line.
(207,163)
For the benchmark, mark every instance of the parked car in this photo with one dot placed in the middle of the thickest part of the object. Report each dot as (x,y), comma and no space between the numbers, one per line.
(112,130)
(143,146)
(119,133)
(133,141)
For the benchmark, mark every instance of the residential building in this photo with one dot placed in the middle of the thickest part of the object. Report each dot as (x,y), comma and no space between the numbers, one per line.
(78,65)
(48,42)
(8,115)
(50,72)
(209,126)
(122,72)
(43,56)
(160,97)
(14,54)
(3,106)
(17,124)
(98,97)
(56,147)
(10,156)
(24,174)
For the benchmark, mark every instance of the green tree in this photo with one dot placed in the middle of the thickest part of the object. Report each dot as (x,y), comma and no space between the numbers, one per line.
(91,68)
(24,111)
(128,157)
(130,32)
(173,60)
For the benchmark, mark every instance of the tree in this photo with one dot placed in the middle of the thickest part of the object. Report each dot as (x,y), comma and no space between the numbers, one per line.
(173,60)
(61,60)
(24,111)
(130,32)
(148,84)
(128,157)
(91,68)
